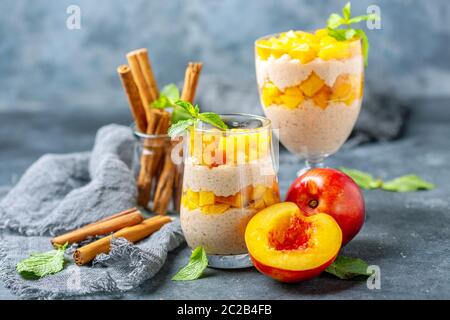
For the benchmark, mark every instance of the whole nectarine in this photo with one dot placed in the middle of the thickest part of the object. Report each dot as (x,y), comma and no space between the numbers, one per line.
(326,190)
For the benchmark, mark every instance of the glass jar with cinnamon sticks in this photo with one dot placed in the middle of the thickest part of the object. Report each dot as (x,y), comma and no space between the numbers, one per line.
(158,168)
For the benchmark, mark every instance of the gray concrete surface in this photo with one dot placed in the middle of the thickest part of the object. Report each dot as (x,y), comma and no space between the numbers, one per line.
(405,234)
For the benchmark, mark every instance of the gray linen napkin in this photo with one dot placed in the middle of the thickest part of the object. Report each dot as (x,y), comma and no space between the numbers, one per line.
(61,192)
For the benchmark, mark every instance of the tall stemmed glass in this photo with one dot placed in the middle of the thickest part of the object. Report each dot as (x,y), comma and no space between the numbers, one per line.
(311,88)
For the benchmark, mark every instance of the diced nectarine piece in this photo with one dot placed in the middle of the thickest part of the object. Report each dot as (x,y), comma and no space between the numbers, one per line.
(322,97)
(303,52)
(269,94)
(311,85)
(269,198)
(192,199)
(215,208)
(258,191)
(205,198)
(338,50)
(259,204)
(320,33)
(263,48)
(346,88)
(291,101)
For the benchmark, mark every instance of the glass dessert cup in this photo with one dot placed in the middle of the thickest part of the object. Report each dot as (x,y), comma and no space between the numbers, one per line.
(228,177)
(311,88)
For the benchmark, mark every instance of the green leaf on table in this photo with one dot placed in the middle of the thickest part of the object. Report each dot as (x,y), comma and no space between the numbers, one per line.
(213,119)
(39,265)
(348,268)
(407,183)
(363,180)
(194,269)
(180,127)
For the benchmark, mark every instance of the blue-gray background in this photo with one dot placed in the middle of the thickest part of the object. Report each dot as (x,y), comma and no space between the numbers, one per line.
(45,65)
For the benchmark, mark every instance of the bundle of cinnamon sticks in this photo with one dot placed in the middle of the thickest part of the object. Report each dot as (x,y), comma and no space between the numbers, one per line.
(128,224)
(158,178)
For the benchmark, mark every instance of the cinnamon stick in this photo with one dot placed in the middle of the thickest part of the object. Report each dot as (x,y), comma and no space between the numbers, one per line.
(116,222)
(134,99)
(143,76)
(191,77)
(133,234)
(149,160)
(164,189)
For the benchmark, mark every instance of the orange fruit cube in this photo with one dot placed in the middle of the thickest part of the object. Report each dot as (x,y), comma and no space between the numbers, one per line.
(322,97)
(206,198)
(311,85)
(303,52)
(215,208)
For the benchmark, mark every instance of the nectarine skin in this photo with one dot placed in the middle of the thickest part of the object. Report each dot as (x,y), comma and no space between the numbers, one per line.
(326,190)
(290,276)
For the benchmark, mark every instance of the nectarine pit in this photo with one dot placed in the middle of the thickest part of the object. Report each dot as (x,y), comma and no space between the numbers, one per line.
(294,237)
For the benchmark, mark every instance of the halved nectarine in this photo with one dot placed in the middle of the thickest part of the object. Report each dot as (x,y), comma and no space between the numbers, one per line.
(288,246)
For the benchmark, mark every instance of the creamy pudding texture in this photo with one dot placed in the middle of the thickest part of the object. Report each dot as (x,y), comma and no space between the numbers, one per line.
(221,234)
(309,130)
(227,180)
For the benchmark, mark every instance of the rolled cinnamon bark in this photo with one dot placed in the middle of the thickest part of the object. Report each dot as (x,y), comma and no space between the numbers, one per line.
(165,186)
(190,81)
(134,99)
(133,234)
(116,222)
(143,76)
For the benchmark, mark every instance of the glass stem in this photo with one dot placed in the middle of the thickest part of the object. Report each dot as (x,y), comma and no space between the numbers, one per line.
(311,164)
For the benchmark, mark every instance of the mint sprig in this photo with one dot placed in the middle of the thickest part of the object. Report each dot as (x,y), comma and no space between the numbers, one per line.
(194,115)
(335,21)
(39,265)
(198,262)
(347,268)
(168,96)
(406,183)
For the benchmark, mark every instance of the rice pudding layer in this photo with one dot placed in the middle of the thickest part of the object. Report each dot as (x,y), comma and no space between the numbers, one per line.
(227,180)
(286,72)
(221,234)
(309,130)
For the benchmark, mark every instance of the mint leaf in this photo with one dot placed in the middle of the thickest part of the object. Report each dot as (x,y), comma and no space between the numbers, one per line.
(407,183)
(346,11)
(42,264)
(171,92)
(334,21)
(194,269)
(364,45)
(348,268)
(362,179)
(338,34)
(368,17)
(179,114)
(188,107)
(350,33)
(180,127)
(213,119)
(167,97)
(187,114)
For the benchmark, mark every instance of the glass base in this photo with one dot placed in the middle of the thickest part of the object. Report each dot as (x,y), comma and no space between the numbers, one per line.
(236,261)
(310,164)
